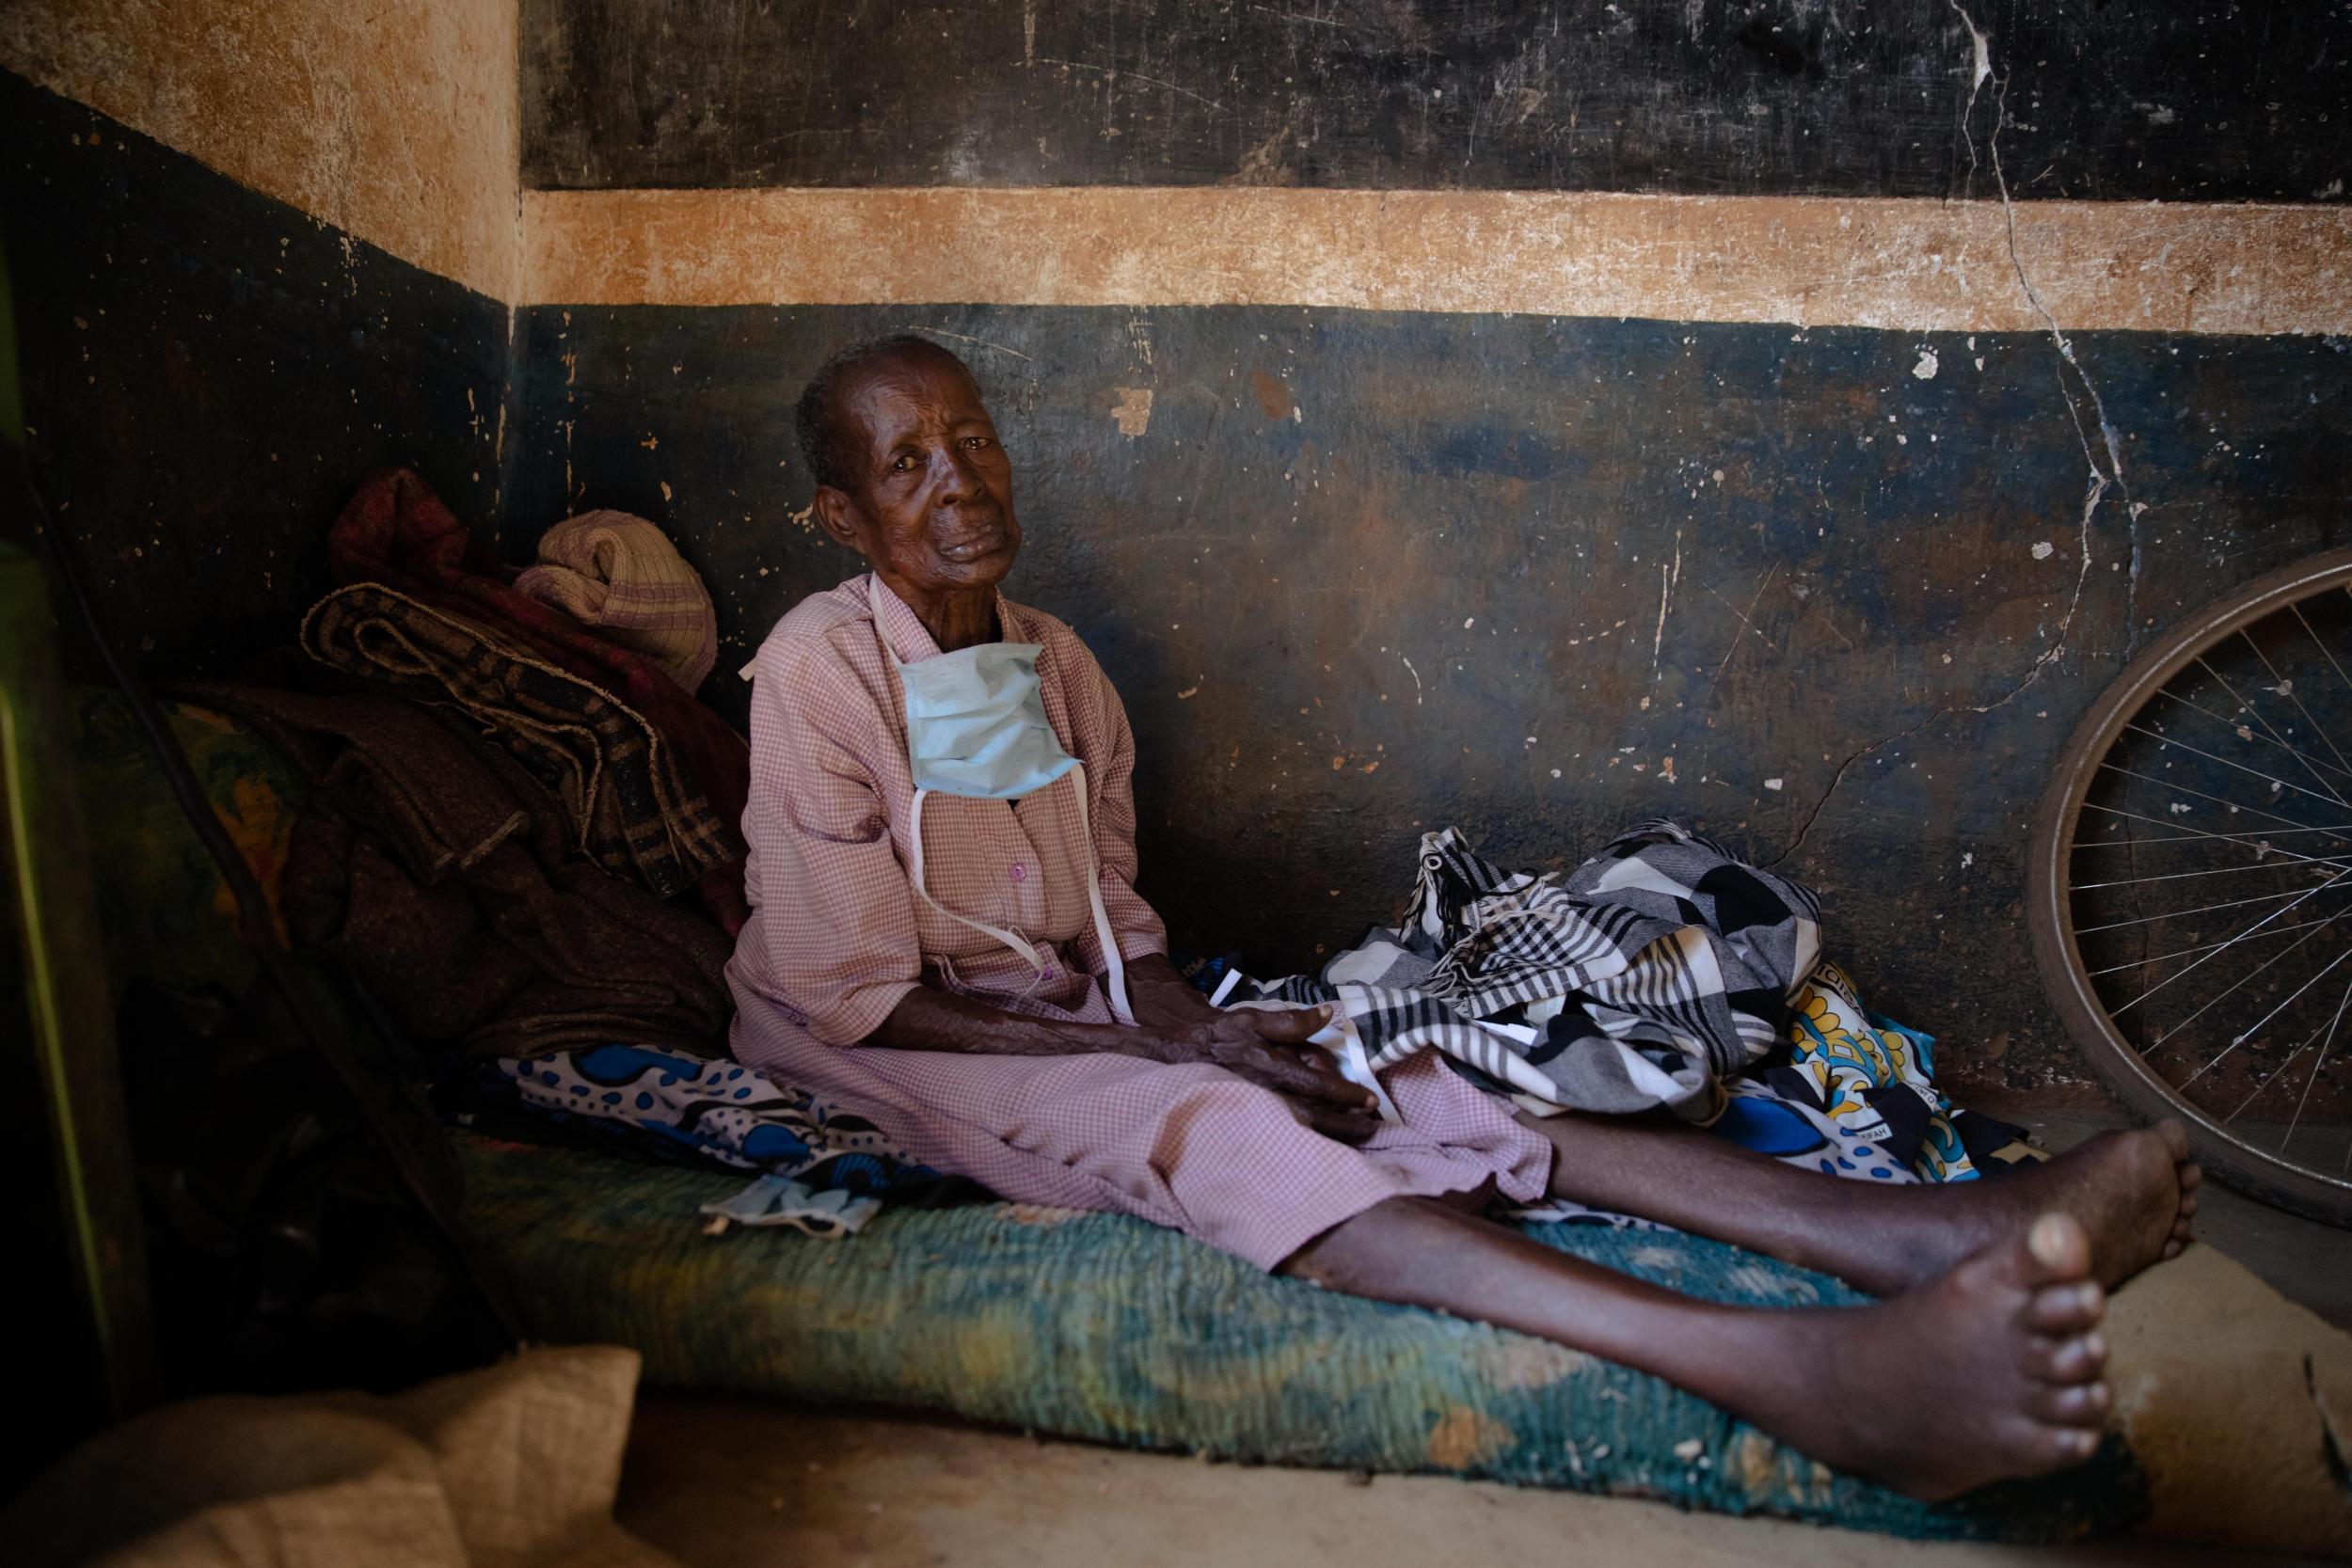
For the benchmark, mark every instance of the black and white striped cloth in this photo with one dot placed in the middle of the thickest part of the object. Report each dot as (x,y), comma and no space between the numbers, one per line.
(1644,978)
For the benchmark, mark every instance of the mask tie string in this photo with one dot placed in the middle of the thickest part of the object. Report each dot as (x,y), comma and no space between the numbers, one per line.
(1114,966)
(914,871)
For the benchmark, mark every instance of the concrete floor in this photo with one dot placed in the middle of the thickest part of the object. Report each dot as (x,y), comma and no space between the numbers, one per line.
(726,1482)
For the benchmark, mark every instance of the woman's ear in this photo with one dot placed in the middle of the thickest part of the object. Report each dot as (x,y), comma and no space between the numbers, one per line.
(837,516)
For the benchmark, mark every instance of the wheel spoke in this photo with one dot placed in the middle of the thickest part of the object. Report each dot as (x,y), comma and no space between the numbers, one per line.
(2326,653)
(2176,914)
(2264,1087)
(2213,871)
(2268,728)
(2268,1016)
(2314,893)
(2246,733)
(2250,811)
(2242,981)
(2188,833)
(2317,1062)
(2286,688)
(2277,783)
(2184,952)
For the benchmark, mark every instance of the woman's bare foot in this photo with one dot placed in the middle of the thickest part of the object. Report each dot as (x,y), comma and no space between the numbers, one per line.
(2133,1193)
(1993,1370)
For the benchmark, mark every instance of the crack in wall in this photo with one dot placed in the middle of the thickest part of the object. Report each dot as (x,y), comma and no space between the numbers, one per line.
(2092,492)
(2100,481)
(1805,828)
(2101,478)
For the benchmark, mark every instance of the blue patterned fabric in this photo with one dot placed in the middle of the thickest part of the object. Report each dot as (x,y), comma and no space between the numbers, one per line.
(655,1102)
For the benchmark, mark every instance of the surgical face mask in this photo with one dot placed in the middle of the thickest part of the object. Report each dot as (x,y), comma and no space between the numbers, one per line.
(976,727)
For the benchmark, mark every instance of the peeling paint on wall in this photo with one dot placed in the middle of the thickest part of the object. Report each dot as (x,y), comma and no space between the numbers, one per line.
(1132,411)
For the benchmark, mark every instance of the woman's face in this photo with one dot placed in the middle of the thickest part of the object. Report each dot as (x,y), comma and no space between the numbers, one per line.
(931,505)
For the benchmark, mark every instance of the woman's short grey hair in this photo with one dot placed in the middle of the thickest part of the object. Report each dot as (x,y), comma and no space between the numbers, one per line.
(820,421)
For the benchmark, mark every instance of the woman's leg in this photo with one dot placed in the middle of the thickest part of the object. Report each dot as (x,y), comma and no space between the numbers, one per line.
(1991,1371)
(2132,1192)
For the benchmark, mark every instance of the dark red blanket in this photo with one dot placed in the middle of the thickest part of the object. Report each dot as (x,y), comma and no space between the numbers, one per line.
(397,533)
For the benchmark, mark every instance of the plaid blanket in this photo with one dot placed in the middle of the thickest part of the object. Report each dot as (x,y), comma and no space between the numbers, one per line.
(1646,978)
(612,771)
(430,864)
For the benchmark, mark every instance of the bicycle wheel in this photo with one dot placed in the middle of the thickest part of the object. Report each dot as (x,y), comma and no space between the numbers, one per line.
(2189,888)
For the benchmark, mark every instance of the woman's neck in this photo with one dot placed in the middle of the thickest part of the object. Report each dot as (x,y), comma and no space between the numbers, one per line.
(958,617)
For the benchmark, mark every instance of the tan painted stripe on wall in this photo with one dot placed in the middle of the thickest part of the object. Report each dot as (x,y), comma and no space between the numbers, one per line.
(397,123)
(1905,264)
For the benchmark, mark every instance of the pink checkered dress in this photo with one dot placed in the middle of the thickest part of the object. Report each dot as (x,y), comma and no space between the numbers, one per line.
(837,936)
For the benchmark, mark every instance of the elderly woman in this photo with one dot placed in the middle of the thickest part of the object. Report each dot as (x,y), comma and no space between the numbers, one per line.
(948,938)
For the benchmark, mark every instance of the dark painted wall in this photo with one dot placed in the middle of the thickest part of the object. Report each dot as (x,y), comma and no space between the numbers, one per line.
(1433,594)
(1481,551)
(208,372)
(2203,99)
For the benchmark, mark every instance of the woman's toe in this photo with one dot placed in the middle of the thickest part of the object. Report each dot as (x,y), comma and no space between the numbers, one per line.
(2059,1311)
(2074,1360)
(2175,1138)
(2053,1446)
(2078,1404)
(2190,1175)
(2057,1249)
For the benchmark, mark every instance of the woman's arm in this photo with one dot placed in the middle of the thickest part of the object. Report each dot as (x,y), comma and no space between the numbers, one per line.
(1265,1048)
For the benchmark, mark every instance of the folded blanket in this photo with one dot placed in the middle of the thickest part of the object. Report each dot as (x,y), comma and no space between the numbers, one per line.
(396,532)
(1644,978)
(614,773)
(441,873)
(620,577)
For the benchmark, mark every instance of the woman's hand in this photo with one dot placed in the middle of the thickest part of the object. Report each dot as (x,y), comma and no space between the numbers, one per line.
(1265,1046)
(1269,1047)
(1162,998)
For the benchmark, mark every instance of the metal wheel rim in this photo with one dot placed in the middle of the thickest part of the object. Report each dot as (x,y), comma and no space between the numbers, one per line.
(2051,884)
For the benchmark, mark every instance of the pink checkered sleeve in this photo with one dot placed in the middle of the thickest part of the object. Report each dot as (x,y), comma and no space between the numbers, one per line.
(836,917)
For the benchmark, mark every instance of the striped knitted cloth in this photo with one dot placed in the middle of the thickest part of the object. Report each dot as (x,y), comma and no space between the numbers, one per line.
(621,575)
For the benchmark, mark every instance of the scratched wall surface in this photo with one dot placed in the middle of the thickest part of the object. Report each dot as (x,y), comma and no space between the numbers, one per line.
(1442,510)
(208,372)
(2209,100)
(1829,592)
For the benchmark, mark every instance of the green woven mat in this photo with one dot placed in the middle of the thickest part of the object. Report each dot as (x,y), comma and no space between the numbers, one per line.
(1100,1327)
